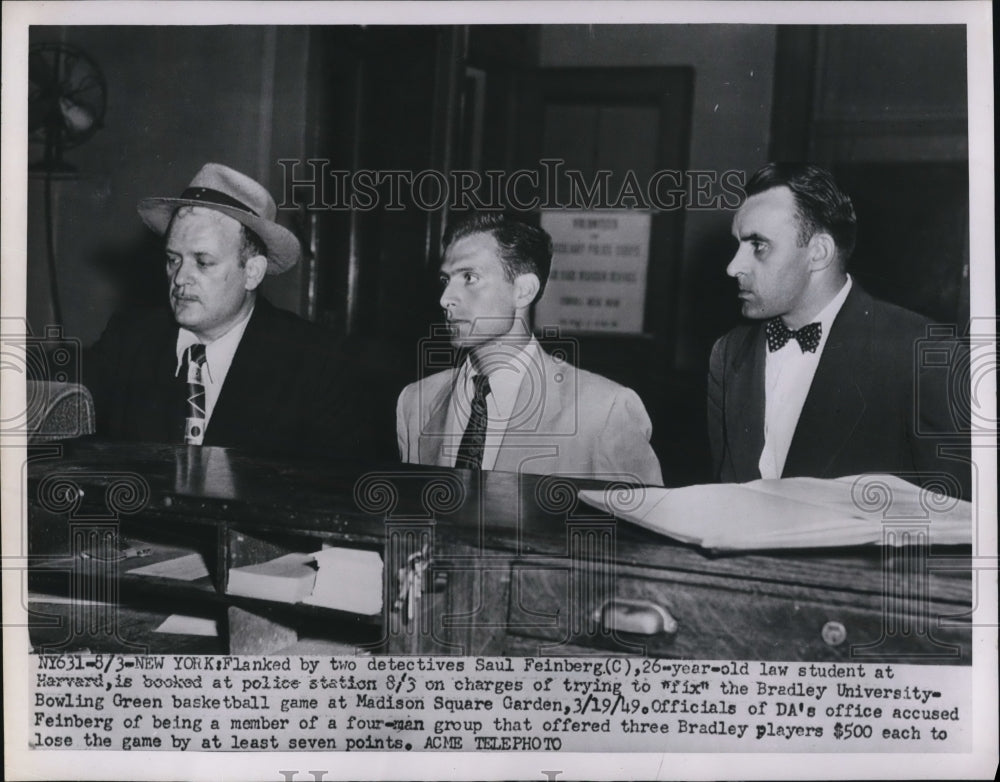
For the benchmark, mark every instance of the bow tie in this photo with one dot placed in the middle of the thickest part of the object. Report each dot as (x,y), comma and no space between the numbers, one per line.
(778,335)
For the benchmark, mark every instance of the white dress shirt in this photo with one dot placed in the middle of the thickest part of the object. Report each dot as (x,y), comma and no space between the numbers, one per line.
(218,358)
(788,374)
(507,370)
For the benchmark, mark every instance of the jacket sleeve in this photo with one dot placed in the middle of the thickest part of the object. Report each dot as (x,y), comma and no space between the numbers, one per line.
(98,368)
(716,418)
(402,431)
(623,447)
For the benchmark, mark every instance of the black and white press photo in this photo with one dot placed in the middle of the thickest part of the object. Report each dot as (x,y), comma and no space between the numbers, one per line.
(610,388)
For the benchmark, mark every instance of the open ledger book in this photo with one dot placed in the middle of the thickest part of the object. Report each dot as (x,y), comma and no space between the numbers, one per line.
(794,513)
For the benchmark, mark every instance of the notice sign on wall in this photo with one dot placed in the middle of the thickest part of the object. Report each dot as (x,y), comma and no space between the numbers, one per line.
(598,279)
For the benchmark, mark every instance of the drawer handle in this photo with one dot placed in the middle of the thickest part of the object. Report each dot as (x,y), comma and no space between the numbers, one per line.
(639,617)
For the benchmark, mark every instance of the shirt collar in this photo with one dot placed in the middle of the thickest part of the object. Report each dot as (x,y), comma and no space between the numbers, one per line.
(216,351)
(507,371)
(825,318)
(829,313)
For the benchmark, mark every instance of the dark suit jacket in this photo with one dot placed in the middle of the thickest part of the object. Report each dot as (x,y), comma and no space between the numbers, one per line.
(288,390)
(875,404)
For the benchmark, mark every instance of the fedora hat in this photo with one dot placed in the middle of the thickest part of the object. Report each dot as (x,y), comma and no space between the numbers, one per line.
(221,188)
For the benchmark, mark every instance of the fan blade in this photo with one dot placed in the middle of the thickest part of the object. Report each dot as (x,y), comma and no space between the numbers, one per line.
(76,117)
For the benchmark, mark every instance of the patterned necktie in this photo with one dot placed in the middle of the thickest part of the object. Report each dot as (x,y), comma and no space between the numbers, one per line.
(194,424)
(470,452)
(778,335)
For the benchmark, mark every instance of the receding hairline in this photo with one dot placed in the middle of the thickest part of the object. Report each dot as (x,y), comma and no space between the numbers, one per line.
(761,201)
(802,223)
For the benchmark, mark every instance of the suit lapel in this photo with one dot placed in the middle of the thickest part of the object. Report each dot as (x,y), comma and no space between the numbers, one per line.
(246,380)
(158,405)
(528,417)
(745,416)
(431,438)
(173,387)
(835,403)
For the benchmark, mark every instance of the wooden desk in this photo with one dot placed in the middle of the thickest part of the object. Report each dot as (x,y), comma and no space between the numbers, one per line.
(517,566)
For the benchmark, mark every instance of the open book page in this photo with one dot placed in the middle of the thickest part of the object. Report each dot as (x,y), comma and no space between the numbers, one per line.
(720,515)
(886,503)
(870,496)
(793,513)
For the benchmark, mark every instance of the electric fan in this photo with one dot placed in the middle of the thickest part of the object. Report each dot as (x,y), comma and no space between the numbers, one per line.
(66,102)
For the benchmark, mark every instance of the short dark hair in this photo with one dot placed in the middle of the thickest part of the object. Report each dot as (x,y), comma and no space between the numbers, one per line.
(524,249)
(821,205)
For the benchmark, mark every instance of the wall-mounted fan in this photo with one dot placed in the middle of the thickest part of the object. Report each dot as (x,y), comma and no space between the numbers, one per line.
(66,102)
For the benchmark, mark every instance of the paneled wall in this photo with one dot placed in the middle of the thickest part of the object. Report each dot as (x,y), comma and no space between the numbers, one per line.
(730,122)
(885,108)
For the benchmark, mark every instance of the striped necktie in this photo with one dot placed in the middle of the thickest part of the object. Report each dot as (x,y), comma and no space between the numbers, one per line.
(470,452)
(194,423)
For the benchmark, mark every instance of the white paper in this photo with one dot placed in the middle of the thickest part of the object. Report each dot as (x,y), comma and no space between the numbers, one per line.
(190,567)
(348,579)
(796,513)
(179,624)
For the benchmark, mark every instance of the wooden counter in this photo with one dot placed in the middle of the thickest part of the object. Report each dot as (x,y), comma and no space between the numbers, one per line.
(515,565)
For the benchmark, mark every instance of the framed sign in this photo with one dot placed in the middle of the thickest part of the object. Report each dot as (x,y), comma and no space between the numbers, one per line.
(611,148)
(599,265)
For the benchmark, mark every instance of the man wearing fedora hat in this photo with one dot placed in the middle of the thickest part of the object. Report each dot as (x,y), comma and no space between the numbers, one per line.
(224,366)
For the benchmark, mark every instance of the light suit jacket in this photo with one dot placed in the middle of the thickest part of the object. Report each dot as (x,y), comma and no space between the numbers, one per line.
(566,421)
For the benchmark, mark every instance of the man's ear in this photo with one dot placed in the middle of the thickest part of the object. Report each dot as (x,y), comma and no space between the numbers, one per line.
(822,251)
(526,288)
(256,268)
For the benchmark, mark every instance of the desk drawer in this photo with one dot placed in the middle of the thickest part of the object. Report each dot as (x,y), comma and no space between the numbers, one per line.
(710,618)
